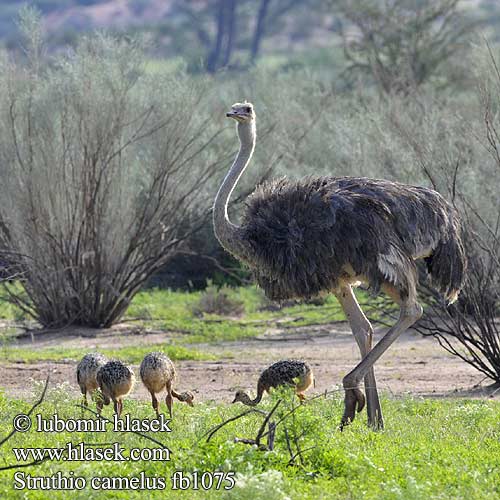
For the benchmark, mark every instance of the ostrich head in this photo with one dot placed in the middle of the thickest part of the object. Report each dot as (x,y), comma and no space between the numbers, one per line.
(243,397)
(187,397)
(242,112)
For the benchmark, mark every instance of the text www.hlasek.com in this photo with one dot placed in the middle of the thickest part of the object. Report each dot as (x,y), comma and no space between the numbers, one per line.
(111,452)
(179,480)
(82,452)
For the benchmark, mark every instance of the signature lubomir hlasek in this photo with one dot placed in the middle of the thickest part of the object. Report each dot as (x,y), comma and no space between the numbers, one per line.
(118,424)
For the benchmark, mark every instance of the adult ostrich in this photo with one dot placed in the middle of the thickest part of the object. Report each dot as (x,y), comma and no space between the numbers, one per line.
(328,234)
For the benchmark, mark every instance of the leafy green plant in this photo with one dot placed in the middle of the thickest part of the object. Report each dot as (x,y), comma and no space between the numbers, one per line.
(430,449)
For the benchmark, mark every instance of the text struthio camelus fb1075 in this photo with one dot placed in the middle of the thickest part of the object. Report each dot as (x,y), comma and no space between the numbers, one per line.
(328,234)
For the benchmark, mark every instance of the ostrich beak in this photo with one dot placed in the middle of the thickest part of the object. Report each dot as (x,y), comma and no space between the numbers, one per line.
(234,401)
(231,114)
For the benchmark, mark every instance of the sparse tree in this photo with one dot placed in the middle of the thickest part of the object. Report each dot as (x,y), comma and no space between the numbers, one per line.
(401,44)
(214,23)
(220,55)
(269,15)
(224,27)
(259,28)
(470,329)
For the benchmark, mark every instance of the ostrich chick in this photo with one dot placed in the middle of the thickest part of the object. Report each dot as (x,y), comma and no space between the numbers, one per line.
(115,381)
(86,372)
(286,372)
(157,373)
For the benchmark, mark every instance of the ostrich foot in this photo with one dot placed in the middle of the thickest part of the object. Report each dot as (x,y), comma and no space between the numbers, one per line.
(354,401)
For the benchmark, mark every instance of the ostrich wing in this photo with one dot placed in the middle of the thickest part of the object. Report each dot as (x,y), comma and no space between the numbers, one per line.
(307,235)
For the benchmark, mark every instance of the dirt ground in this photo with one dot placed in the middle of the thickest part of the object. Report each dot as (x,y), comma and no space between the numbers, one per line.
(414,365)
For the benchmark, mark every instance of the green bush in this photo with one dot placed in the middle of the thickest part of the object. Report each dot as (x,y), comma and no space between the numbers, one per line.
(214,300)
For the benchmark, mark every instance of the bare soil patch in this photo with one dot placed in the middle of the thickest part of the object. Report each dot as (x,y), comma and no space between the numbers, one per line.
(415,365)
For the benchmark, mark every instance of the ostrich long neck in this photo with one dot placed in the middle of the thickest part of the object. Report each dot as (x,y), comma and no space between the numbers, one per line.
(226,232)
(251,402)
(182,396)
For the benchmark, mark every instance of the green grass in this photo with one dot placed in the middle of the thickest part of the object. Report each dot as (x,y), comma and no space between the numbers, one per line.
(129,354)
(174,311)
(431,449)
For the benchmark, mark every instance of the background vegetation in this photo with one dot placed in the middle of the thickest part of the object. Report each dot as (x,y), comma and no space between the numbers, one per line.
(111,163)
(113,144)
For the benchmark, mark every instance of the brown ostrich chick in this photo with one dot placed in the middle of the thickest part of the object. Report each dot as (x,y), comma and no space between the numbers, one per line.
(158,373)
(285,372)
(86,372)
(115,381)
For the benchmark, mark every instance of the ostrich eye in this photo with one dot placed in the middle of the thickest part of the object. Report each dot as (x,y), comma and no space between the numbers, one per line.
(248,109)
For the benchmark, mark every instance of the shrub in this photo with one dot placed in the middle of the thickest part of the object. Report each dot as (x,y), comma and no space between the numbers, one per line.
(104,175)
(218,301)
(459,159)
(470,329)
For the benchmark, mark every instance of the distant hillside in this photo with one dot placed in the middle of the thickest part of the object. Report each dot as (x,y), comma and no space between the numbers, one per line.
(188,28)
(179,27)
(67,15)
(86,14)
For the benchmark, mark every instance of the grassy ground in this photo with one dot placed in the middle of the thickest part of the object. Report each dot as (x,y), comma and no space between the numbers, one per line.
(431,449)
(129,354)
(241,313)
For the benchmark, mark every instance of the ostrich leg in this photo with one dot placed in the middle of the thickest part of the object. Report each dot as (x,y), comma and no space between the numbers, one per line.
(363,333)
(168,398)
(155,404)
(410,312)
(116,404)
